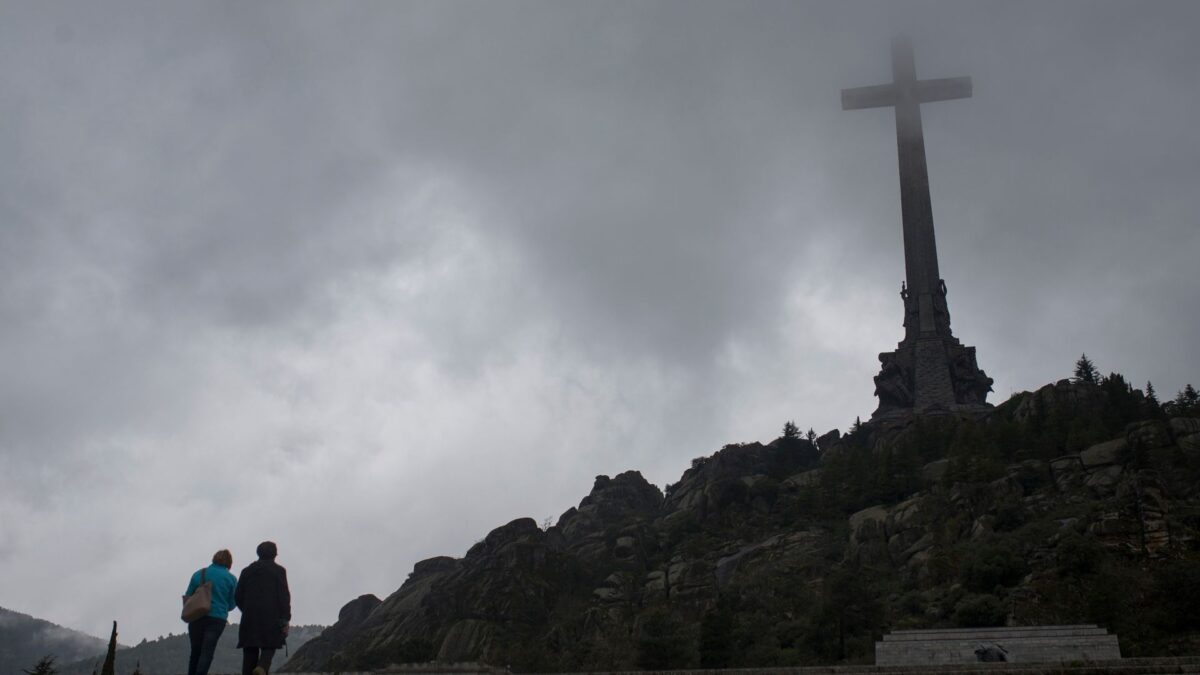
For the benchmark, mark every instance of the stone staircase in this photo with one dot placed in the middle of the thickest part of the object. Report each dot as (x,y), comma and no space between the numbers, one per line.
(1013,644)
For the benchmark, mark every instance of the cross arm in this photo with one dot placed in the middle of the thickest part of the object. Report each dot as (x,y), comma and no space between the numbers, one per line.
(878,96)
(944,89)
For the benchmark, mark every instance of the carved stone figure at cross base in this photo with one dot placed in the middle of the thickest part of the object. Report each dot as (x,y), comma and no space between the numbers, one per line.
(930,370)
(892,383)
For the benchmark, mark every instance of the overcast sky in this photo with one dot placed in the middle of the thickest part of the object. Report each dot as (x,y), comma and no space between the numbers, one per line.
(370,279)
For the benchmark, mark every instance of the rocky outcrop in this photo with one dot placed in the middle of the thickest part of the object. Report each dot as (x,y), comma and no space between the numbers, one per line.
(315,653)
(772,529)
(739,477)
(499,597)
(627,502)
(1063,398)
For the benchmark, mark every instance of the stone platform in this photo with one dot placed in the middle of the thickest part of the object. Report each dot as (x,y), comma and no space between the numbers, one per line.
(1135,666)
(1015,644)
(1142,666)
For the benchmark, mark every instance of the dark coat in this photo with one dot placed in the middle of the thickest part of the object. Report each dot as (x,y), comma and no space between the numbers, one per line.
(262,595)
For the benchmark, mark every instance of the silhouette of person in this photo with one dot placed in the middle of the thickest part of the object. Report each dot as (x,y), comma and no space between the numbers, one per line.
(266,603)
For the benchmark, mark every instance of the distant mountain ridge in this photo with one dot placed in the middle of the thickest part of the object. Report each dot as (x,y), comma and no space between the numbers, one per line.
(169,655)
(25,639)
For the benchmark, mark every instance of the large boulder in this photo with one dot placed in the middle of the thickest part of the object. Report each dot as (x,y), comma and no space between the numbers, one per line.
(1138,525)
(1101,454)
(1184,426)
(827,439)
(316,653)
(1186,431)
(935,470)
(1063,398)
(1068,472)
(1148,435)
(869,535)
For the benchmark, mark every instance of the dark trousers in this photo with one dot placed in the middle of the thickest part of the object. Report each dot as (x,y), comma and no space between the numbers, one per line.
(255,657)
(203,634)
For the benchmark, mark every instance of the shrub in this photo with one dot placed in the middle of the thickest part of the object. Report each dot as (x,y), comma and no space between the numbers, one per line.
(1077,555)
(716,641)
(662,644)
(1177,591)
(979,611)
(987,567)
(43,667)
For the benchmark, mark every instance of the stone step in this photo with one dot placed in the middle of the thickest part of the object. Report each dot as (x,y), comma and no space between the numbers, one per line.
(1041,627)
(998,635)
(1009,628)
(999,632)
(919,635)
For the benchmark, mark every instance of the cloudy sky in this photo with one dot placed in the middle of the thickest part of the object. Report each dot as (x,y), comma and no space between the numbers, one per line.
(370,279)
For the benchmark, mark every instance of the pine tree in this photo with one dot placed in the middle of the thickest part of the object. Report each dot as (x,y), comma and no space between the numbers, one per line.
(110,660)
(43,667)
(1085,370)
(811,437)
(1187,400)
(1152,400)
(1179,404)
(790,430)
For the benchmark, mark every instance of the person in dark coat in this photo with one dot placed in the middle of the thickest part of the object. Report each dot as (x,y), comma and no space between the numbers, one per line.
(266,603)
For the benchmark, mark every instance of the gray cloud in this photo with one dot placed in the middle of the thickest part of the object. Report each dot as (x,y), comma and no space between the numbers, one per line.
(393,274)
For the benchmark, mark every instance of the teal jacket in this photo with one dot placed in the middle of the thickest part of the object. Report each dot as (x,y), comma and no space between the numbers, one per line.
(223,583)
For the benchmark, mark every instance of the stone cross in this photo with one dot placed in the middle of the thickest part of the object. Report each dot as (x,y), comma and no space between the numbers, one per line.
(930,370)
(906,94)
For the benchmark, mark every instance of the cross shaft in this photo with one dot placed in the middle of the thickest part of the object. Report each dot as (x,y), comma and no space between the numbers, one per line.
(906,94)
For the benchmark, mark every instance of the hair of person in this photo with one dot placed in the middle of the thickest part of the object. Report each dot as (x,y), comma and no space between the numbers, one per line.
(267,550)
(223,558)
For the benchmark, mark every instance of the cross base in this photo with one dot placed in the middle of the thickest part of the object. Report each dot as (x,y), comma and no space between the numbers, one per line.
(928,375)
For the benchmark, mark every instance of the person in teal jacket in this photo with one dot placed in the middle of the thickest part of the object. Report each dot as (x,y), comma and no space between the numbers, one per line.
(205,631)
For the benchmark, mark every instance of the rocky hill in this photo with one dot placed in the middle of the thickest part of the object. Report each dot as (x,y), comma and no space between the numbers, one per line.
(25,639)
(1079,502)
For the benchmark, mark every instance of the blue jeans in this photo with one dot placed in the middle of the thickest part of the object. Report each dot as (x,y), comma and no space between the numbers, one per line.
(203,634)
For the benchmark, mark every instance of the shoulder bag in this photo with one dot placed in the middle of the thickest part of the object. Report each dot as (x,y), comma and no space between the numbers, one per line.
(199,603)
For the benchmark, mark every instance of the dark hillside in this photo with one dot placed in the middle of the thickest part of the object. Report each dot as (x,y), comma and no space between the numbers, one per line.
(24,640)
